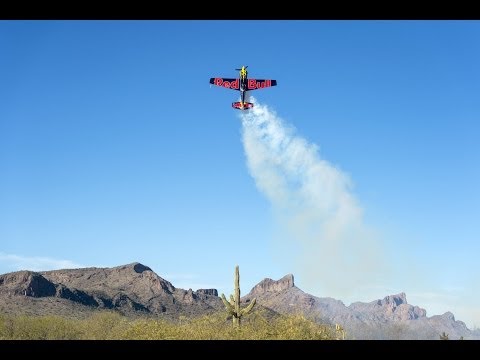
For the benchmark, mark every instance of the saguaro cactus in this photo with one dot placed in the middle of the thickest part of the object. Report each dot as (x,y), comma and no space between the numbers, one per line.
(340,331)
(233,307)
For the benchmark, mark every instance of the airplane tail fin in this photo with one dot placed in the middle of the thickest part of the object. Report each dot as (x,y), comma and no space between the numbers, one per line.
(242,106)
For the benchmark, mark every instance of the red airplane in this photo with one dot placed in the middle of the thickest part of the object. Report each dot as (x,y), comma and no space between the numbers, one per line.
(242,84)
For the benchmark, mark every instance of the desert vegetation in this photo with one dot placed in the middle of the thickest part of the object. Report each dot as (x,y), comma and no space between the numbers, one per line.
(113,326)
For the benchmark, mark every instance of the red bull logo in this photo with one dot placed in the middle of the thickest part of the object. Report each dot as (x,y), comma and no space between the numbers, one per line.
(242,106)
(254,84)
(226,84)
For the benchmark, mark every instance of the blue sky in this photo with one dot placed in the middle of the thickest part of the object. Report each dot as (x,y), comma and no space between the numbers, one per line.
(114,148)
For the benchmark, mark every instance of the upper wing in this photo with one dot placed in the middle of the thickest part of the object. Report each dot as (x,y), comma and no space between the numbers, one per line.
(227,83)
(254,84)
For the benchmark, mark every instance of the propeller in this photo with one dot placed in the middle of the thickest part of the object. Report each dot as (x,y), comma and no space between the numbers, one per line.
(246,67)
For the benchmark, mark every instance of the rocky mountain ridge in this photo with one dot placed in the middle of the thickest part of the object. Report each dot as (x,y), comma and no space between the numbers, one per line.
(135,290)
(388,318)
(129,289)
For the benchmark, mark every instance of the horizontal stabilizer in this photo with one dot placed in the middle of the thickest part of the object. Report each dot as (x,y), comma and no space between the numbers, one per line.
(242,106)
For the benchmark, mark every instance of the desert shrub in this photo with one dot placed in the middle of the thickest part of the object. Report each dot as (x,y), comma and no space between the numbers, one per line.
(38,328)
(217,327)
(110,325)
(105,325)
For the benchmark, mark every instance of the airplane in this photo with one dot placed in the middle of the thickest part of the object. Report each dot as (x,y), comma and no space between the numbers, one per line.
(242,84)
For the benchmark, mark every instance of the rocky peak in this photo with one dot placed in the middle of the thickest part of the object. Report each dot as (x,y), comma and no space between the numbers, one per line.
(448,316)
(393,300)
(136,267)
(189,296)
(212,292)
(269,285)
(139,268)
(27,283)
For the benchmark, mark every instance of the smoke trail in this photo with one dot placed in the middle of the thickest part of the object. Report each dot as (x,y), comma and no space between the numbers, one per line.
(321,231)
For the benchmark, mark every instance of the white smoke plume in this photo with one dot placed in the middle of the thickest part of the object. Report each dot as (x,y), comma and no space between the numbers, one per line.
(321,231)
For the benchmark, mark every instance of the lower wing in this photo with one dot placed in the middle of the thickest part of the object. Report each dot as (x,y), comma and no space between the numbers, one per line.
(254,84)
(227,83)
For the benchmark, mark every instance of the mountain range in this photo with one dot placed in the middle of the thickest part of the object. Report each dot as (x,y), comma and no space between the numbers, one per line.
(135,290)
